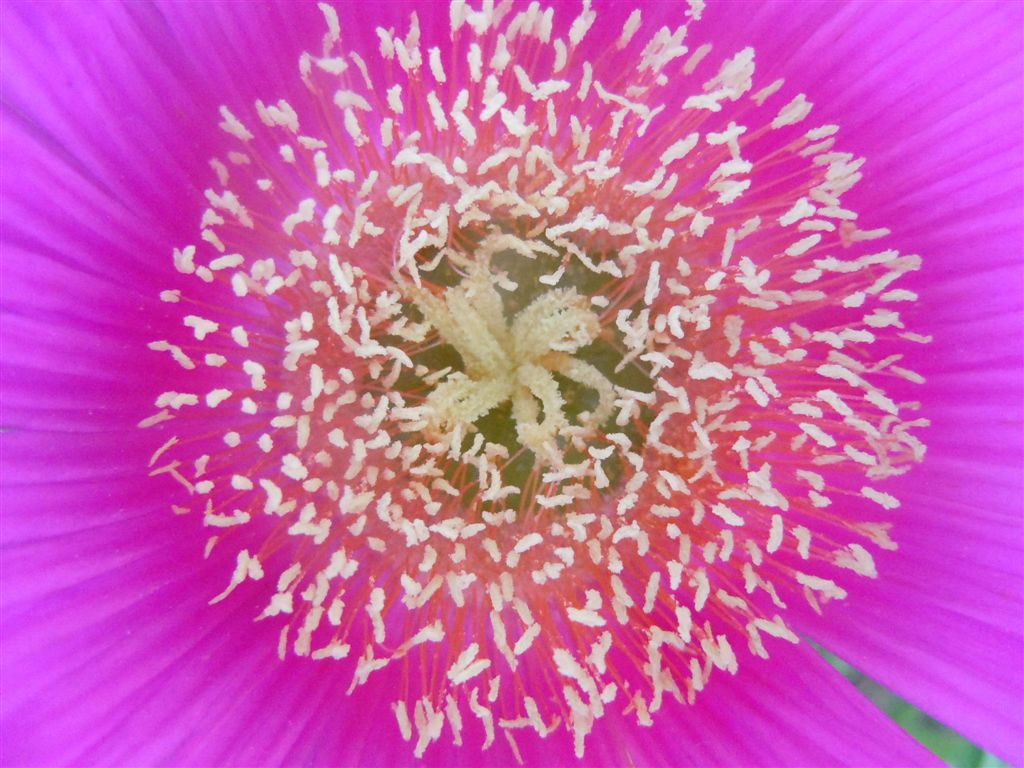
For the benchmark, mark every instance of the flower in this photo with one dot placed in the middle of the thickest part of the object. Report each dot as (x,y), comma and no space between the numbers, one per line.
(534,382)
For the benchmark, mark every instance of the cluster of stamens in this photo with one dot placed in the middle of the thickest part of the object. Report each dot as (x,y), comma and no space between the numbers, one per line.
(541,409)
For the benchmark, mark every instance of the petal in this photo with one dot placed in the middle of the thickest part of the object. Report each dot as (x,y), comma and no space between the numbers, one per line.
(96,596)
(792,709)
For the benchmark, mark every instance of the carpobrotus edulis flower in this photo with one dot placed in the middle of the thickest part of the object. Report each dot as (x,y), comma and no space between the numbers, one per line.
(548,381)
(536,381)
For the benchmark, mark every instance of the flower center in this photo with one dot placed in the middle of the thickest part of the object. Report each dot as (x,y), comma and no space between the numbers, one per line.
(515,361)
(526,409)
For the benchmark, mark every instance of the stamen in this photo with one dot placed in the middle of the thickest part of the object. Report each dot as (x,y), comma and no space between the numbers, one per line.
(555,397)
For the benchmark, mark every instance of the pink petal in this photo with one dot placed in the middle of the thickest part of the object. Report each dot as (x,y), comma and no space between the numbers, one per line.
(90,549)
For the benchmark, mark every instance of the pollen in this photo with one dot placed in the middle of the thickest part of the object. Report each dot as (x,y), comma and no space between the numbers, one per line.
(530,378)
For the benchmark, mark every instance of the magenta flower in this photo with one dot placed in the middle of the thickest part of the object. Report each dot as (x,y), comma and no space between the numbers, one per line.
(509,384)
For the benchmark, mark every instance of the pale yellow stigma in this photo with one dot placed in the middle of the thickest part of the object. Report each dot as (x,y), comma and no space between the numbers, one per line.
(515,361)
